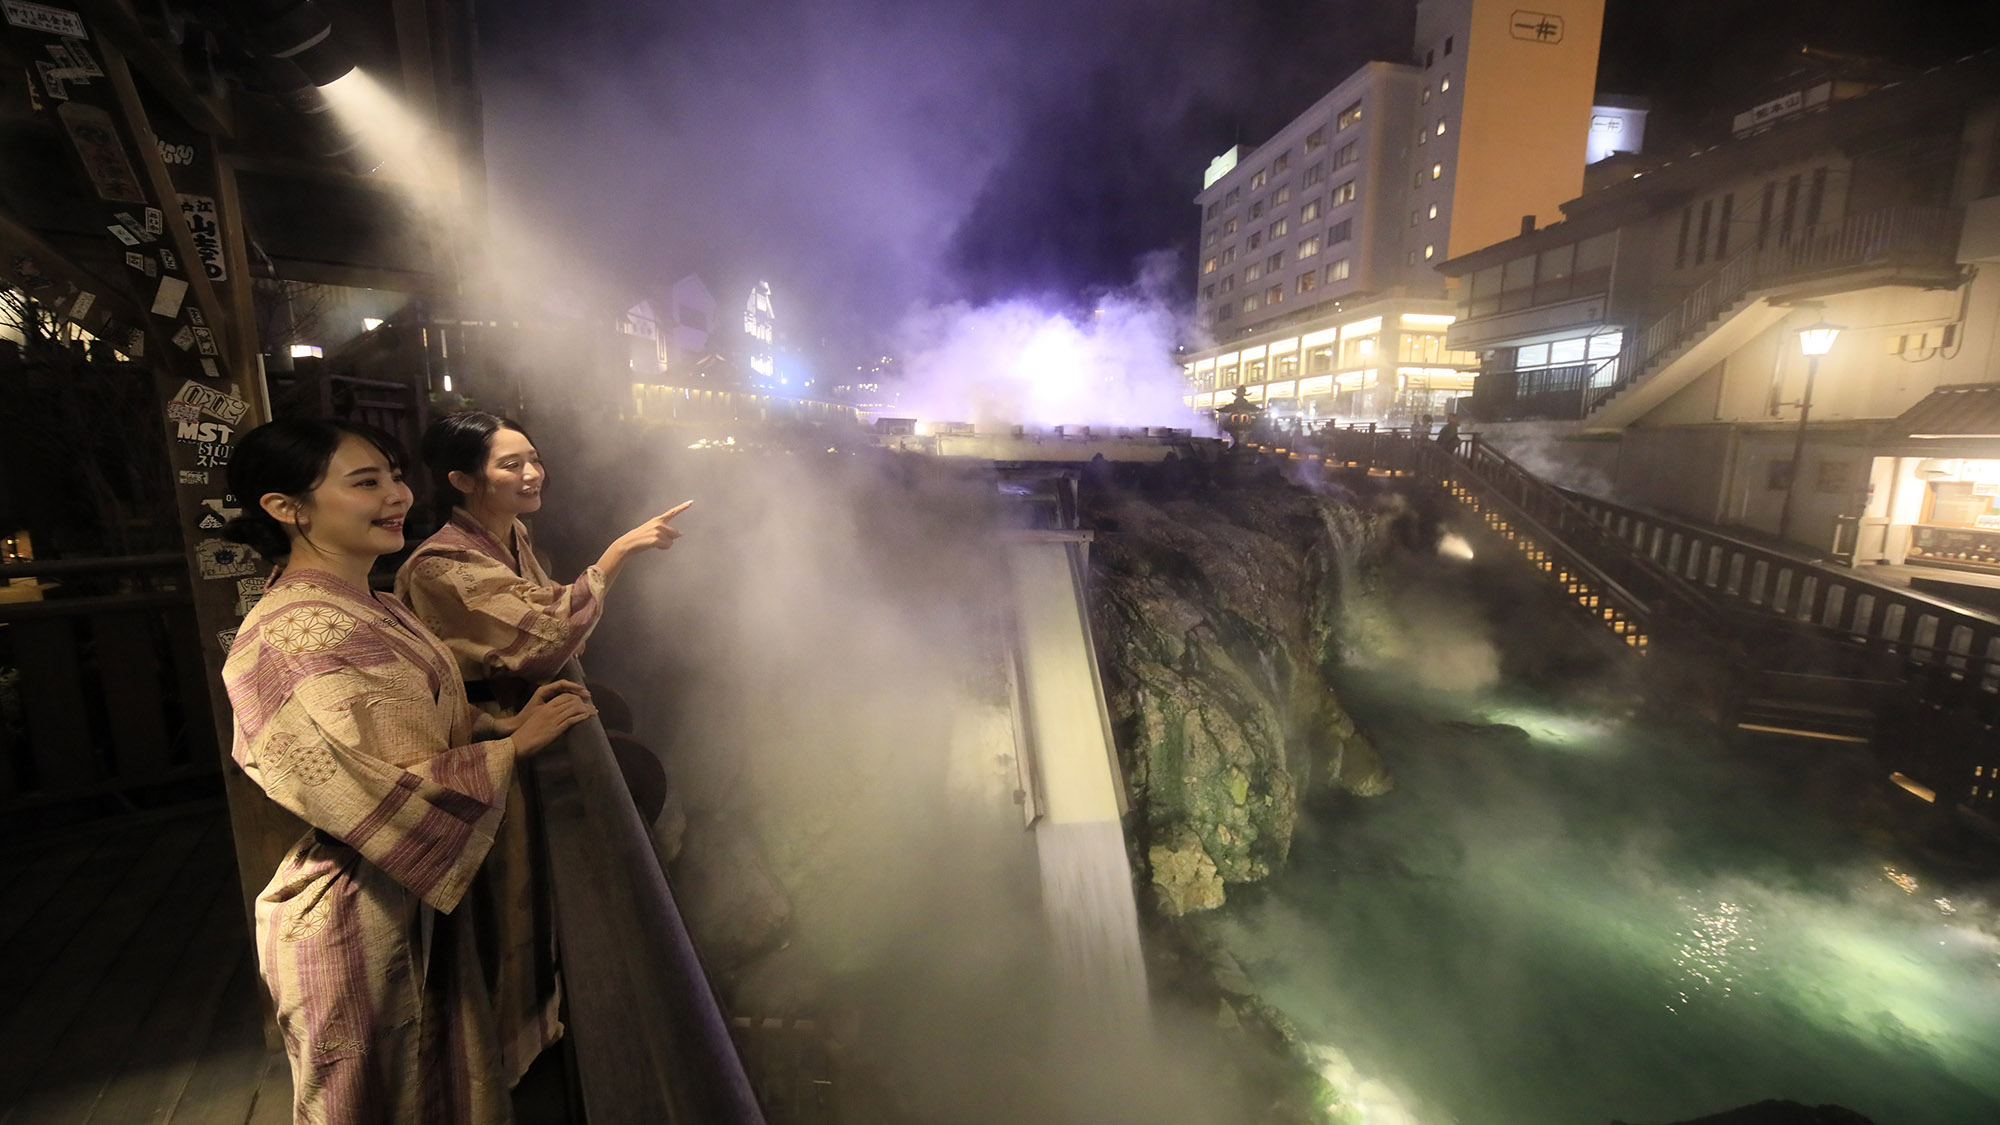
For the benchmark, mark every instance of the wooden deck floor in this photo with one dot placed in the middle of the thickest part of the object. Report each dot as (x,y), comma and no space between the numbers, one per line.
(128,989)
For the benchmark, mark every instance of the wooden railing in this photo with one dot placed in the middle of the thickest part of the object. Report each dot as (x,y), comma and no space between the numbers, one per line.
(651,1043)
(1951,654)
(108,680)
(1919,236)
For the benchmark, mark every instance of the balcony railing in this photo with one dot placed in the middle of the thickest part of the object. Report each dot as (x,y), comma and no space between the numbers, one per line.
(1547,392)
(1893,236)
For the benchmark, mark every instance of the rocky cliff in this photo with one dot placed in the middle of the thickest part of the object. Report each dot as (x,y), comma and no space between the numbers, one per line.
(1217,618)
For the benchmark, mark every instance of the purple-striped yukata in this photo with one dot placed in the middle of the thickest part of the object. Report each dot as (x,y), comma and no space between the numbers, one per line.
(352,716)
(504,618)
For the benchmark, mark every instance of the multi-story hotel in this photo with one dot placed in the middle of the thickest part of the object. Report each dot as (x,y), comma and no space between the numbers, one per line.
(1317,273)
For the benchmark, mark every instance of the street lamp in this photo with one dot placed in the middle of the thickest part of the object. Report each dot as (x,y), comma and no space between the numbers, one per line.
(1815,341)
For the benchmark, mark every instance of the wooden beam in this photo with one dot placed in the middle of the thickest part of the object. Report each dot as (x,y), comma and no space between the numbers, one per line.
(119,26)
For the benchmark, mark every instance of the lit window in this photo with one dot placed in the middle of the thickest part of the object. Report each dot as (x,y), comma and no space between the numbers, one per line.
(1275,262)
(1208,266)
(1316,139)
(1230,199)
(1347,154)
(1344,193)
(1428,252)
(1350,116)
(1282,195)
(1423,137)
(1339,270)
(1262,177)
(1309,212)
(1427,95)
(1315,174)
(1283,161)
(1228,254)
(1229,227)
(1229,284)
(1308,247)
(1434,211)
(1437,171)
(1308,281)
(1606,344)
(1253,271)
(1250,303)
(1446,84)
(1564,352)
(1534,355)
(370,323)
(1440,128)
(1274,294)
(1281,228)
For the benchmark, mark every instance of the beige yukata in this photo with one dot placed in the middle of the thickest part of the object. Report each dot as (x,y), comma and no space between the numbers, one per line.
(510,626)
(350,714)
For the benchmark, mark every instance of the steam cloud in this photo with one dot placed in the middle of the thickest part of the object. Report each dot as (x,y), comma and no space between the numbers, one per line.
(1018,361)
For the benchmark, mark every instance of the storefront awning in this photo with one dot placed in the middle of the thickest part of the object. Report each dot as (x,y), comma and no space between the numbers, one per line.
(1964,410)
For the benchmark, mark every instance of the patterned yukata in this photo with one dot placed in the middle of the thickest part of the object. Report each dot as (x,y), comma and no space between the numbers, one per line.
(350,714)
(509,626)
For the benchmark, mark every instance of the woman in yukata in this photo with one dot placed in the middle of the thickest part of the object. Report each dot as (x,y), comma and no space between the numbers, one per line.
(477,584)
(352,716)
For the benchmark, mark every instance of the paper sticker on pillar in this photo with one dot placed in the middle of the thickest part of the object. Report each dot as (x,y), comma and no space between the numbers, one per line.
(210,441)
(167,302)
(132,223)
(210,521)
(193,476)
(142,263)
(184,339)
(102,152)
(80,308)
(41,17)
(226,639)
(219,558)
(206,230)
(204,340)
(156,222)
(220,405)
(248,590)
(121,234)
(168,260)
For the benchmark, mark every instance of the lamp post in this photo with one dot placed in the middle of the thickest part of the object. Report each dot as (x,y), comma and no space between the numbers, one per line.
(1815,341)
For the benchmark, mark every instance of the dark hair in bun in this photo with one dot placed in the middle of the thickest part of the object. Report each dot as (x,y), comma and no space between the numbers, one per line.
(288,456)
(459,443)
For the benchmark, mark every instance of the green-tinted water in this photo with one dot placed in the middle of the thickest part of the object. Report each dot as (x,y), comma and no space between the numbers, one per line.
(1604,921)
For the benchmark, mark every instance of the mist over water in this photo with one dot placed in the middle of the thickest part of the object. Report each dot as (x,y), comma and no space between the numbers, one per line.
(1575,917)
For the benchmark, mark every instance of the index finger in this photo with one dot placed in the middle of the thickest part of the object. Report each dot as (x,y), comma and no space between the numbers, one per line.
(677,509)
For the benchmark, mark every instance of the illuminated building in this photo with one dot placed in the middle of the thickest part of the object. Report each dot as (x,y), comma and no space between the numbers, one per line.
(1339,220)
(1659,323)
(760,337)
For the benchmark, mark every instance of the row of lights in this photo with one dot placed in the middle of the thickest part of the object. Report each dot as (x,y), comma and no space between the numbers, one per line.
(1587,597)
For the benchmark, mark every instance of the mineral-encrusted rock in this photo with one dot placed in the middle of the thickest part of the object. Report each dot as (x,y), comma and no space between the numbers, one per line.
(1184,878)
(1217,621)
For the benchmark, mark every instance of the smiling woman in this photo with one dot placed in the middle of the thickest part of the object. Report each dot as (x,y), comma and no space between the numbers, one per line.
(350,715)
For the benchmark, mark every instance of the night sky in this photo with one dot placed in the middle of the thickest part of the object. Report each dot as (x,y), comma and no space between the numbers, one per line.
(866,155)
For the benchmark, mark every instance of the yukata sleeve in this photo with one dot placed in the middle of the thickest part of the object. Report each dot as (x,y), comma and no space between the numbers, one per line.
(353,755)
(492,618)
